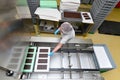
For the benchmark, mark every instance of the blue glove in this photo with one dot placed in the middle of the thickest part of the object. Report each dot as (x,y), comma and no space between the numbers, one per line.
(50,54)
(56,31)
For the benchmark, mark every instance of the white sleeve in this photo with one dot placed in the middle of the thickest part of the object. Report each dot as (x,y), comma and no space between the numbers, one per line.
(65,39)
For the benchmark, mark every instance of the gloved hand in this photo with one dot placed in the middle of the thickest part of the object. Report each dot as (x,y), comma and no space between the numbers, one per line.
(56,31)
(50,54)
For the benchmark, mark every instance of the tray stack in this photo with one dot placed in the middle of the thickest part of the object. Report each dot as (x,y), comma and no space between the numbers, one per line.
(99,10)
(70,5)
(48,3)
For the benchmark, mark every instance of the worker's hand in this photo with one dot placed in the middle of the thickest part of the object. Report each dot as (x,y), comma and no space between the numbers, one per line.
(50,54)
(56,31)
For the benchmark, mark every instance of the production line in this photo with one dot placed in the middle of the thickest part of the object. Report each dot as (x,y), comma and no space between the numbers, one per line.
(77,60)
(28,57)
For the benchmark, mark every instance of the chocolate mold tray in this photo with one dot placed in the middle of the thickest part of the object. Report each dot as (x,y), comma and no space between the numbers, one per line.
(42,60)
(29,59)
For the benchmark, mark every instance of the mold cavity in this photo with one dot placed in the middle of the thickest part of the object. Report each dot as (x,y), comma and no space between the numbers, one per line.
(42,61)
(42,67)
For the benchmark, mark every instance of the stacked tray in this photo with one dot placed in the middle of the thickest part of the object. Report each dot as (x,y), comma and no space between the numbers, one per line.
(47,3)
(70,5)
(99,10)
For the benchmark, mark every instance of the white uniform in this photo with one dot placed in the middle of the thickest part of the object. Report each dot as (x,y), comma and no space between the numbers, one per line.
(67,35)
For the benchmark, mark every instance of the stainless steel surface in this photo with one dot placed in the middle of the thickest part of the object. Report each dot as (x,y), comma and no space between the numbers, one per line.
(56,40)
(87,61)
(106,62)
(4,58)
(73,61)
(73,44)
(55,61)
(16,58)
(87,75)
(4,77)
(6,51)
(76,60)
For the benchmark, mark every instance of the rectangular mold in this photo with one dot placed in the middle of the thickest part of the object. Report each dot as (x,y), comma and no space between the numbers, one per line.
(30,50)
(43,50)
(29,55)
(29,59)
(42,60)
(43,55)
(72,15)
(86,17)
(27,66)
(106,62)
(41,67)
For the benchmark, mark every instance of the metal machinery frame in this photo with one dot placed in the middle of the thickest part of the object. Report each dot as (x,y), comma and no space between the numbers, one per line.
(99,10)
(83,23)
(77,18)
(34,4)
(76,60)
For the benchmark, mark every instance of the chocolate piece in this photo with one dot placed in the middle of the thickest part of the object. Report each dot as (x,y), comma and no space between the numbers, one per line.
(43,55)
(28,60)
(29,55)
(30,50)
(43,50)
(87,17)
(72,15)
(42,67)
(85,14)
(27,67)
(42,61)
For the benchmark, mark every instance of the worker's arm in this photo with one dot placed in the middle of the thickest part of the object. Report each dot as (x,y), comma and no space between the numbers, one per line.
(55,49)
(57,31)
(59,45)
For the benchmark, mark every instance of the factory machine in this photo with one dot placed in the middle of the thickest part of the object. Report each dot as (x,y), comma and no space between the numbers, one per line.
(79,59)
